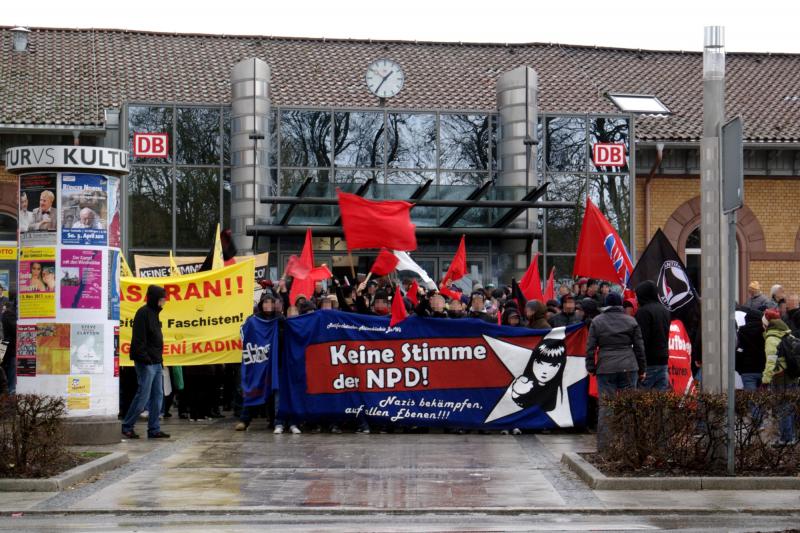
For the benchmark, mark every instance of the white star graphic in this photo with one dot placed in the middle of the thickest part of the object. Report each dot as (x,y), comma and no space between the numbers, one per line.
(515,357)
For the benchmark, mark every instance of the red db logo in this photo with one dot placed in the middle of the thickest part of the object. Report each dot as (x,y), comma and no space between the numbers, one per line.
(150,145)
(608,154)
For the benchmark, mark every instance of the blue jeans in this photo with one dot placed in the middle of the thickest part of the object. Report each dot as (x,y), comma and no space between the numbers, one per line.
(149,394)
(751,382)
(785,414)
(657,378)
(608,385)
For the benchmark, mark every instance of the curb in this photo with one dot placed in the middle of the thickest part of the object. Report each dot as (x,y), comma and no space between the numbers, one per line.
(599,481)
(68,478)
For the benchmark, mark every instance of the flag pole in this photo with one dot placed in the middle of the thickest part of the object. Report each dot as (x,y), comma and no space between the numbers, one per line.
(352,268)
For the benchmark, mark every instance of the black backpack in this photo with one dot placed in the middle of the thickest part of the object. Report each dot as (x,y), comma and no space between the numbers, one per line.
(789,349)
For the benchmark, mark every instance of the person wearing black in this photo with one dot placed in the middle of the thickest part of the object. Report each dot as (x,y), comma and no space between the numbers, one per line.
(9,365)
(147,347)
(653,319)
(750,355)
(567,316)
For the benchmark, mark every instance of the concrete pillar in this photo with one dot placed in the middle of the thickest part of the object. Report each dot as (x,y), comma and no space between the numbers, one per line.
(249,148)
(516,105)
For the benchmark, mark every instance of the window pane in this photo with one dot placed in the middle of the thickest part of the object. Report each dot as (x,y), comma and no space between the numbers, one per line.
(273,137)
(226,135)
(567,187)
(610,130)
(401,185)
(150,207)
(563,265)
(359,140)
(292,180)
(612,196)
(146,119)
(197,136)
(411,141)
(464,141)
(226,198)
(566,144)
(563,227)
(197,207)
(305,138)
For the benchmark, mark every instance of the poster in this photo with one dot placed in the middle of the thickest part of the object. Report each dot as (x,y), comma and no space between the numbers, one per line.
(202,318)
(26,350)
(113,212)
(113,284)
(428,372)
(81,279)
(116,351)
(86,349)
(52,348)
(38,210)
(37,283)
(78,403)
(79,385)
(84,207)
(5,282)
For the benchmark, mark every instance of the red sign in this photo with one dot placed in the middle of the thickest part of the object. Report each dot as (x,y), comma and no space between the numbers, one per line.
(680,359)
(608,154)
(151,145)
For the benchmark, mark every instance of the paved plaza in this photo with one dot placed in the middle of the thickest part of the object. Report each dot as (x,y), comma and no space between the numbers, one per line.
(208,477)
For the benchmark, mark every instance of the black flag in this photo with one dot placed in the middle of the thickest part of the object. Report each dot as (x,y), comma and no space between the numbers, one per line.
(661,264)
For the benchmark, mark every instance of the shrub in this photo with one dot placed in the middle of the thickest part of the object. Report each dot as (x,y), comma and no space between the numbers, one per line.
(32,435)
(666,433)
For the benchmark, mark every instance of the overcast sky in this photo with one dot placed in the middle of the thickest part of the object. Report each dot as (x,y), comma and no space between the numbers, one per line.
(763,26)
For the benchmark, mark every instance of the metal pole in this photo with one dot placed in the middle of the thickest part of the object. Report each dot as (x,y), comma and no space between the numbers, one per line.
(731,309)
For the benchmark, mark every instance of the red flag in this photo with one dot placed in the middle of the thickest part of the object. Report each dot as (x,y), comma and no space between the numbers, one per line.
(385,263)
(458,268)
(413,293)
(531,282)
(319,273)
(399,312)
(306,260)
(453,295)
(376,224)
(550,290)
(296,268)
(601,253)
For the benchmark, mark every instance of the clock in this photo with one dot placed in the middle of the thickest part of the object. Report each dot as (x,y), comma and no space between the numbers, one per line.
(385,78)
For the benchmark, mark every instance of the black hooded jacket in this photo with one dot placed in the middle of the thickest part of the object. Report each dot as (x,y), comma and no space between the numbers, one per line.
(147,341)
(653,319)
(750,354)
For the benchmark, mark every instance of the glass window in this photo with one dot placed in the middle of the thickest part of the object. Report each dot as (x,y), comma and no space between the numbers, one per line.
(411,140)
(273,137)
(226,197)
(563,227)
(464,142)
(359,139)
(357,176)
(226,136)
(305,138)
(563,265)
(197,136)
(611,194)
(639,103)
(196,206)
(566,144)
(149,119)
(610,130)
(150,207)
(567,187)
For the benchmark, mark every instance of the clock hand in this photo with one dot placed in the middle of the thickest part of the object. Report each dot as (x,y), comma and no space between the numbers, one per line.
(383,80)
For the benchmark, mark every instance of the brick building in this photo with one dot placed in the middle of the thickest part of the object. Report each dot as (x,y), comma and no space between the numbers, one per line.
(442,135)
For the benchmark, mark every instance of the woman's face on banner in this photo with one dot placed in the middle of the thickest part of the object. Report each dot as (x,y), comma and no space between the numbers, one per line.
(36,270)
(544,371)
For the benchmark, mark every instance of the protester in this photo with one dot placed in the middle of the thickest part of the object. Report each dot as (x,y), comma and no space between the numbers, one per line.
(654,319)
(775,373)
(146,352)
(757,301)
(792,317)
(750,357)
(536,314)
(567,316)
(620,356)
(9,365)
(477,307)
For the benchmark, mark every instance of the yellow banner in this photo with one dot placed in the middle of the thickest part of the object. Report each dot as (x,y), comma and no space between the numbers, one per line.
(8,252)
(202,316)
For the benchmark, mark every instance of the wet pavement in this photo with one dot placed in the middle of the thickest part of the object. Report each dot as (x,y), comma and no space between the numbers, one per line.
(379,481)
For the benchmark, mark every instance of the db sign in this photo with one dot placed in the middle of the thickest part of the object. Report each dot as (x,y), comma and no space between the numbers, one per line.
(150,145)
(608,154)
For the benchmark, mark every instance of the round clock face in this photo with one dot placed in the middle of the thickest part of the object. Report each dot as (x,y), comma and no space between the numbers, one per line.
(385,78)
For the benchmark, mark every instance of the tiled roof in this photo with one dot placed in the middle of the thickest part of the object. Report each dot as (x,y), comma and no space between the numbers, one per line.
(69,76)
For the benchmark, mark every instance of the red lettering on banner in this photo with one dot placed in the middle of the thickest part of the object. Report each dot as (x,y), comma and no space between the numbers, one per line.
(132,293)
(680,359)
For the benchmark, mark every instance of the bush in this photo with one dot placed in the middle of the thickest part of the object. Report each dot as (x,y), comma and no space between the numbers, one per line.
(32,436)
(652,431)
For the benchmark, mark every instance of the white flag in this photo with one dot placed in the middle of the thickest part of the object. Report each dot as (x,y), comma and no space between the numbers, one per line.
(406,263)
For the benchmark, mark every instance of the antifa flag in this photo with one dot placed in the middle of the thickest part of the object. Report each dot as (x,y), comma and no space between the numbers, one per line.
(661,264)
(259,360)
(430,372)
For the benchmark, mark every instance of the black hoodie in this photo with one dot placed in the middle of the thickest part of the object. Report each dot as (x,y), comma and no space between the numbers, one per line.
(653,319)
(147,342)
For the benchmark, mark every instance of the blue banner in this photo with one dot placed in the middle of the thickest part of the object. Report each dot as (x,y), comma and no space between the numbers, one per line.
(259,361)
(461,373)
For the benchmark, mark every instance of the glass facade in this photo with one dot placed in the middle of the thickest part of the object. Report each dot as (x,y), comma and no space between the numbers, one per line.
(175,203)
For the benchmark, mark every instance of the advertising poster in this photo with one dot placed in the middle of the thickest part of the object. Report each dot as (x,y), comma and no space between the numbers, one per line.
(78,403)
(202,318)
(81,279)
(79,385)
(26,350)
(420,372)
(37,283)
(113,284)
(5,279)
(38,210)
(116,351)
(113,212)
(84,206)
(86,349)
(52,348)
